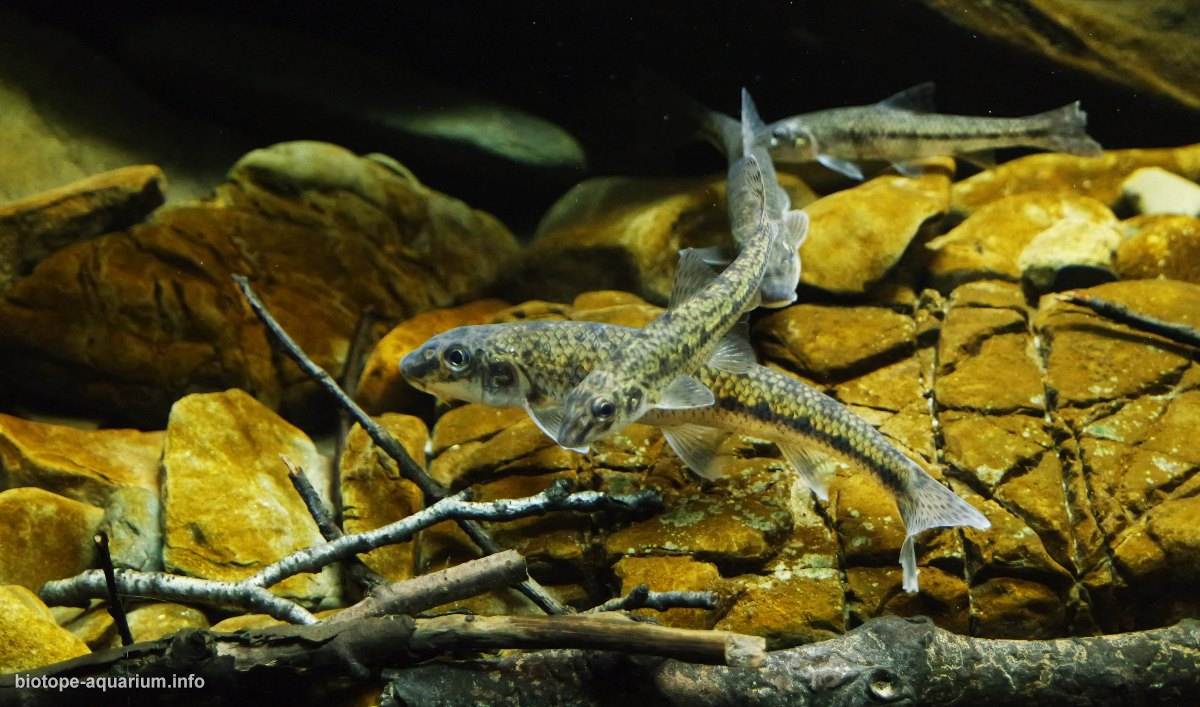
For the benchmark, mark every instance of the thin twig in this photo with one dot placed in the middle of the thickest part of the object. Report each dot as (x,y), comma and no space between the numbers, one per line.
(431,489)
(640,597)
(349,380)
(250,593)
(1180,333)
(463,581)
(365,577)
(116,607)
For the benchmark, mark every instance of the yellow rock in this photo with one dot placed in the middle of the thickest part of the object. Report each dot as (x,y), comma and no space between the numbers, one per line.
(29,637)
(45,537)
(1160,246)
(666,574)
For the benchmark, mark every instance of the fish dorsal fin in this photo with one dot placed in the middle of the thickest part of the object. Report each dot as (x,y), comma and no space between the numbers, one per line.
(753,176)
(752,124)
(843,166)
(918,99)
(692,274)
(815,468)
(795,228)
(548,419)
(697,446)
(685,392)
(734,353)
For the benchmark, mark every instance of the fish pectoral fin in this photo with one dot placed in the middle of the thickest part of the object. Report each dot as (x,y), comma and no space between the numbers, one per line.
(983,159)
(685,392)
(714,256)
(795,228)
(697,446)
(734,354)
(909,169)
(917,99)
(548,419)
(691,275)
(815,468)
(838,164)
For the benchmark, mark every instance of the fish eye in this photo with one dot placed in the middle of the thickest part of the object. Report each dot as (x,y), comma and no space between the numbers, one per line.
(603,409)
(457,358)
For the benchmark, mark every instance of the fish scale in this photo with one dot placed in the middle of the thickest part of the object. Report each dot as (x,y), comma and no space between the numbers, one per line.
(515,364)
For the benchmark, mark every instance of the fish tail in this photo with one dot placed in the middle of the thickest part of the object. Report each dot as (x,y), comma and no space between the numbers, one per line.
(1067,131)
(687,118)
(929,504)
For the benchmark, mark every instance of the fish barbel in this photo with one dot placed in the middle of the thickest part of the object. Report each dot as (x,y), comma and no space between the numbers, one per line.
(515,365)
(654,369)
(904,127)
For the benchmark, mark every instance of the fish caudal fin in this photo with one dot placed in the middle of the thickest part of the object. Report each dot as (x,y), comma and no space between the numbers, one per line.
(683,117)
(1067,128)
(928,504)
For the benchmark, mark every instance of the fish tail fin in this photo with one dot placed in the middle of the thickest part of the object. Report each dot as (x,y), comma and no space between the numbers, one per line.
(929,504)
(684,117)
(752,124)
(1067,128)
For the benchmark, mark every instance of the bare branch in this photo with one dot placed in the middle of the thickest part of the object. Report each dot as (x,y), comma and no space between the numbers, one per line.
(409,469)
(469,579)
(364,576)
(640,597)
(1120,313)
(250,593)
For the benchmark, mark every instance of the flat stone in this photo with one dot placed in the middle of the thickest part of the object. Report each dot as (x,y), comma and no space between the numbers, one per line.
(858,235)
(374,494)
(877,591)
(381,388)
(972,384)
(150,622)
(676,574)
(1036,494)
(788,609)
(1007,607)
(29,636)
(890,387)
(825,342)
(46,537)
(1067,176)
(131,321)
(1160,246)
(1010,546)
(95,627)
(246,621)
(1092,359)
(517,444)
(31,229)
(1070,254)
(1154,190)
(228,507)
(992,447)
(988,243)
(133,522)
(85,465)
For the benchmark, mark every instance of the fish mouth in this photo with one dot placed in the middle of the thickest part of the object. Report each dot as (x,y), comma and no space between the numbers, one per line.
(417,365)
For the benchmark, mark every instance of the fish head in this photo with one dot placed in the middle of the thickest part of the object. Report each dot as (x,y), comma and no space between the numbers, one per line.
(599,406)
(793,141)
(466,363)
(781,277)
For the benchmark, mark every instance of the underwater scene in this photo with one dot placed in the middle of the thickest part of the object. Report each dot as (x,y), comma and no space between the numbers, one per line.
(797,353)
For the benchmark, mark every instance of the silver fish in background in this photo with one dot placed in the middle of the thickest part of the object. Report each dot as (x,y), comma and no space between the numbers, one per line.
(904,127)
(514,365)
(736,139)
(654,369)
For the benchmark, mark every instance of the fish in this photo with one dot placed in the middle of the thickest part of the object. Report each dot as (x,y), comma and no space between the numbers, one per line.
(654,370)
(903,128)
(506,365)
(737,139)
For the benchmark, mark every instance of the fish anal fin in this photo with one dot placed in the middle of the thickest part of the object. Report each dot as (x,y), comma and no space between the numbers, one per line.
(842,166)
(692,274)
(815,468)
(917,99)
(685,392)
(734,354)
(697,446)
